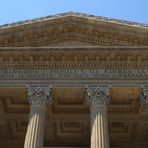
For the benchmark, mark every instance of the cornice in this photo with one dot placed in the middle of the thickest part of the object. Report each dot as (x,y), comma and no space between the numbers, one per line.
(70,26)
(76,14)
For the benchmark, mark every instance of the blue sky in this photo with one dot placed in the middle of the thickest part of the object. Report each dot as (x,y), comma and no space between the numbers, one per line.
(18,10)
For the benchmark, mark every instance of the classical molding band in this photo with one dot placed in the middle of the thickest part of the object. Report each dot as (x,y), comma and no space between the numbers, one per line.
(23,74)
(144,96)
(39,95)
(76,57)
(98,95)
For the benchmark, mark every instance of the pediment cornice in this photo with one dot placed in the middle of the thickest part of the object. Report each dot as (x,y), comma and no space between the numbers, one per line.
(75,14)
(73,27)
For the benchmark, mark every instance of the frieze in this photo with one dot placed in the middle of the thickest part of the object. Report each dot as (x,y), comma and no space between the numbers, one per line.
(73,73)
(74,57)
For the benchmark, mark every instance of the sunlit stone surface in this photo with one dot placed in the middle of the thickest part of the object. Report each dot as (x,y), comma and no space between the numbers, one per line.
(71,51)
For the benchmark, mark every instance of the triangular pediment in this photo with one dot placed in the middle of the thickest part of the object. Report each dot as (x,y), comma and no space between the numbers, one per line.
(68,43)
(73,29)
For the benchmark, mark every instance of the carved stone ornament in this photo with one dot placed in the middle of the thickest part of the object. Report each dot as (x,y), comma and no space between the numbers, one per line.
(98,95)
(39,95)
(144,96)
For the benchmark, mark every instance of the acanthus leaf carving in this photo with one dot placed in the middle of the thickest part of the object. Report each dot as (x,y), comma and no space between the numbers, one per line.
(144,96)
(98,95)
(39,95)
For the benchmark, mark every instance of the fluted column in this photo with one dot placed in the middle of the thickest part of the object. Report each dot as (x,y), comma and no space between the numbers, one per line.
(144,96)
(97,98)
(38,97)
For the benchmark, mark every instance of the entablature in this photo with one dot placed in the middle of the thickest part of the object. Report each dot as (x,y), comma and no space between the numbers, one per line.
(74,57)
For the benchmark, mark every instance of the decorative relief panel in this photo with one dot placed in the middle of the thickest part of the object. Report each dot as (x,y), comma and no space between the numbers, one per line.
(69,101)
(73,57)
(71,127)
(18,128)
(122,132)
(14,99)
(118,127)
(73,73)
(123,106)
(124,100)
(5,132)
(70,130)
(11,105)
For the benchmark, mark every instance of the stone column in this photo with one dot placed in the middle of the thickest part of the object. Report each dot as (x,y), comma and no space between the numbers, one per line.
(144,96)
(38,97)
(97,98)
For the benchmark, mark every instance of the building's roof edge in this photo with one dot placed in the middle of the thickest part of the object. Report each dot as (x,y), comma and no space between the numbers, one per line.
(77,14)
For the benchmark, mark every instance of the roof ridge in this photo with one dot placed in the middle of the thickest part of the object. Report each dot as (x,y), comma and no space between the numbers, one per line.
(78,14)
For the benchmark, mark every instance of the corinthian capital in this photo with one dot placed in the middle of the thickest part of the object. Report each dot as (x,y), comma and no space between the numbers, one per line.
(98,95)
(39,95)
(144,96)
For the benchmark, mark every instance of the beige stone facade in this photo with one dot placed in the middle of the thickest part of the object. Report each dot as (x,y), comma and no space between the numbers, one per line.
(74,80)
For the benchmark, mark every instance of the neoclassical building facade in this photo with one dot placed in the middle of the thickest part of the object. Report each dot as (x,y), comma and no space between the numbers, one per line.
(74,80)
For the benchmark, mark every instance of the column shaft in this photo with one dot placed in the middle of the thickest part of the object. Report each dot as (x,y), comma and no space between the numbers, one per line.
(38,97)
(98,97)
(99,127)
(35,131)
